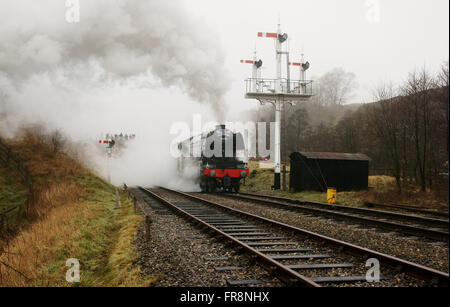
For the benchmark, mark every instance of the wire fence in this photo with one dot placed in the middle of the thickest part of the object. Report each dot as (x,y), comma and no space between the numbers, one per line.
(9,217)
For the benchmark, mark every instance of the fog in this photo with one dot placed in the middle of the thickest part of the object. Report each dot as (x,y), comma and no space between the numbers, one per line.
(135,67)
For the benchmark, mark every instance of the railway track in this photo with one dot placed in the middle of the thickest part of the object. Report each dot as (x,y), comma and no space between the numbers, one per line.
(295,256)
(182,254)
(422,227)
(410,209)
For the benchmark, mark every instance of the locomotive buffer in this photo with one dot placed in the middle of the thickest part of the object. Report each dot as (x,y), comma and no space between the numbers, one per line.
(278,92)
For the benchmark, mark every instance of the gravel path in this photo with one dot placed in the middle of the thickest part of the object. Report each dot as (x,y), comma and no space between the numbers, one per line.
(177,253)
(427,254)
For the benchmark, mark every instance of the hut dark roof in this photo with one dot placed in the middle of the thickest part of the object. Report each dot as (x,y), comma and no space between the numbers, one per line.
(335,156)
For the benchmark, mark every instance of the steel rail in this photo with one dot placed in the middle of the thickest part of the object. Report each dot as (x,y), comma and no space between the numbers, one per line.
(431,275)
(330,212)
(274,267)
(408,208)
(422,219)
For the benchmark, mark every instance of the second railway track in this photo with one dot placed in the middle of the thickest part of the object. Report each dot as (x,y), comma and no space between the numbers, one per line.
(296,256)
(412,225)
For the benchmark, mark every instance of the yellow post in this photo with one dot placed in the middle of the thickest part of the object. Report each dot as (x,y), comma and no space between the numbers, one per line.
(331,196)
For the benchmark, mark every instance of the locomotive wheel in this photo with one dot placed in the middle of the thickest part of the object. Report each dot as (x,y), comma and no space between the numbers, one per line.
(236,188)
(211,187)
(203,187)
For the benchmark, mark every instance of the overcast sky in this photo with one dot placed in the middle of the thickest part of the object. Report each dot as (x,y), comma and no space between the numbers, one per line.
(346,33)
(377,40)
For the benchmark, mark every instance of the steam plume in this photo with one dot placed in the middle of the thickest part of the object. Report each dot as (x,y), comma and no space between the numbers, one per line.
(126,38)
(128,66)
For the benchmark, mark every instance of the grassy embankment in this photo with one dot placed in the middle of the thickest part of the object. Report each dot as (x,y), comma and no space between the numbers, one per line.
(73,217)
(12,192)
(381,190)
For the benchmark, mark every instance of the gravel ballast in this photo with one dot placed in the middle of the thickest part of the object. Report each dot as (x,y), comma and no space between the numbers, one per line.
(178,254)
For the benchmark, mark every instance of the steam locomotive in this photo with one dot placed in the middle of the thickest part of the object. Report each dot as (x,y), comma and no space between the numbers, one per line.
(219,163)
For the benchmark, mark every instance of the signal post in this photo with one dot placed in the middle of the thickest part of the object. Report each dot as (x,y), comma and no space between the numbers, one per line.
(278,92)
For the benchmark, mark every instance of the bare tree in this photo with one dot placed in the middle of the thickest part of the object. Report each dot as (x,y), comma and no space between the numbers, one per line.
(58,141)
(348,132)
(336,87)
(298,127)
(382,117)
(417,91)
(442,85)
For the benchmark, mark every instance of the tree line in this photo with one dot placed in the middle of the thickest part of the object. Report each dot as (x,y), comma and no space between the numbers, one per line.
(404,132)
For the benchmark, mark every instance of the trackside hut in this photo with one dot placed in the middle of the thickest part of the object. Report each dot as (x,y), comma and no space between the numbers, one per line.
(320,170)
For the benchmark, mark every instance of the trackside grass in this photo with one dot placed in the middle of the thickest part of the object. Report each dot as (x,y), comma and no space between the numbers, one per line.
(12,191)
(75,218)
(90,230)
(381,189)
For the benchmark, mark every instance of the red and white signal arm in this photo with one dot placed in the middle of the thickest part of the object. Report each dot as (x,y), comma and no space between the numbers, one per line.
(258,63)
(282,37)
(270,35)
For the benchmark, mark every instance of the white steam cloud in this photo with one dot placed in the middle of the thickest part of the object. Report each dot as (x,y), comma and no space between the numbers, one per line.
(128,66)
(126,37)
